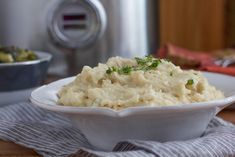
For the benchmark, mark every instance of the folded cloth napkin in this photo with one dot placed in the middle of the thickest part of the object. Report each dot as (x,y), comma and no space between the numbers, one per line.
(51,135)
(206,61)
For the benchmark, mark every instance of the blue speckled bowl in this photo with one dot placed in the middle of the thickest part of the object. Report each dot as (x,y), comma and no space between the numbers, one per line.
(24,75)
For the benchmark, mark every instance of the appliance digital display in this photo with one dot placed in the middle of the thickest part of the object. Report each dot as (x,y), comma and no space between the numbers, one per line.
(73,17)
(74,26)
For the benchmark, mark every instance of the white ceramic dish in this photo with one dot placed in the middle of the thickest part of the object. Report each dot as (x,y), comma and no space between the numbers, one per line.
(105,127)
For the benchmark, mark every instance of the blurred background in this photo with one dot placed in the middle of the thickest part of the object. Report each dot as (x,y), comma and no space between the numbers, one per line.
(197,24)
(85,32)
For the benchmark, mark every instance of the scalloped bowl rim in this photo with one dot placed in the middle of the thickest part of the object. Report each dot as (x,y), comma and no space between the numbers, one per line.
(221,103)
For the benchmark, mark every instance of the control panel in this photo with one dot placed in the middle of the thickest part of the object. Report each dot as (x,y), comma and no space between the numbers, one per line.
(77,23)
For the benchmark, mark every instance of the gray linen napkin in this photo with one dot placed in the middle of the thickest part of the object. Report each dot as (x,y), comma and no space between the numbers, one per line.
(51,135)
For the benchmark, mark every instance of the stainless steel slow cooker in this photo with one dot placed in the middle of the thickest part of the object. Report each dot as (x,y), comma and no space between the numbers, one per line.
(80,32)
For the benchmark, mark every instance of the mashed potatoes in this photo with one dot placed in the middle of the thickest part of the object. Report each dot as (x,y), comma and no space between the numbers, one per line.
(122,83)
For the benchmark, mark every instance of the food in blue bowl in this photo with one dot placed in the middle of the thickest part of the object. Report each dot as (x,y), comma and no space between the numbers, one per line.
(21,69)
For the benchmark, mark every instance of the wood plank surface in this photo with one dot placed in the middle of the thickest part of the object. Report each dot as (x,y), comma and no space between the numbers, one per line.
(193,24)
(9,149)
(228,114)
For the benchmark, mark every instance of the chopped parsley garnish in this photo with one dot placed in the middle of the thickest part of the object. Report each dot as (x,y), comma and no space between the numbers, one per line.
(145,64)
(111,69)
(125,70)
(154,64)
(140,61)
(144,61)
(190,82)
(171,73)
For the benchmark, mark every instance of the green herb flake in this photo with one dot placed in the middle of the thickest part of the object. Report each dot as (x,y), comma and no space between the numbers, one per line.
(171,73)
(140,61)
(190,82)
(144,61)
(144,64)
(149,58)
(114,69)
(155,64)
(125,70)
(109,71)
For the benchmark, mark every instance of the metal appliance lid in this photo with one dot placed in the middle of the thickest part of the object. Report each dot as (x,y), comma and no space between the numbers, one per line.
(77,23)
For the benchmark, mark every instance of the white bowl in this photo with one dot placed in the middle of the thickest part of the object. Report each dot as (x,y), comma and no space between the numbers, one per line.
(104,127)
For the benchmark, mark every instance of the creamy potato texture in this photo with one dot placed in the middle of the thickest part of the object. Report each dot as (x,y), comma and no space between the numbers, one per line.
(163,85)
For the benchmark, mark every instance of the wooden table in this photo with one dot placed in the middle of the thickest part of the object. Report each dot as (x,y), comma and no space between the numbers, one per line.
(9,149)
